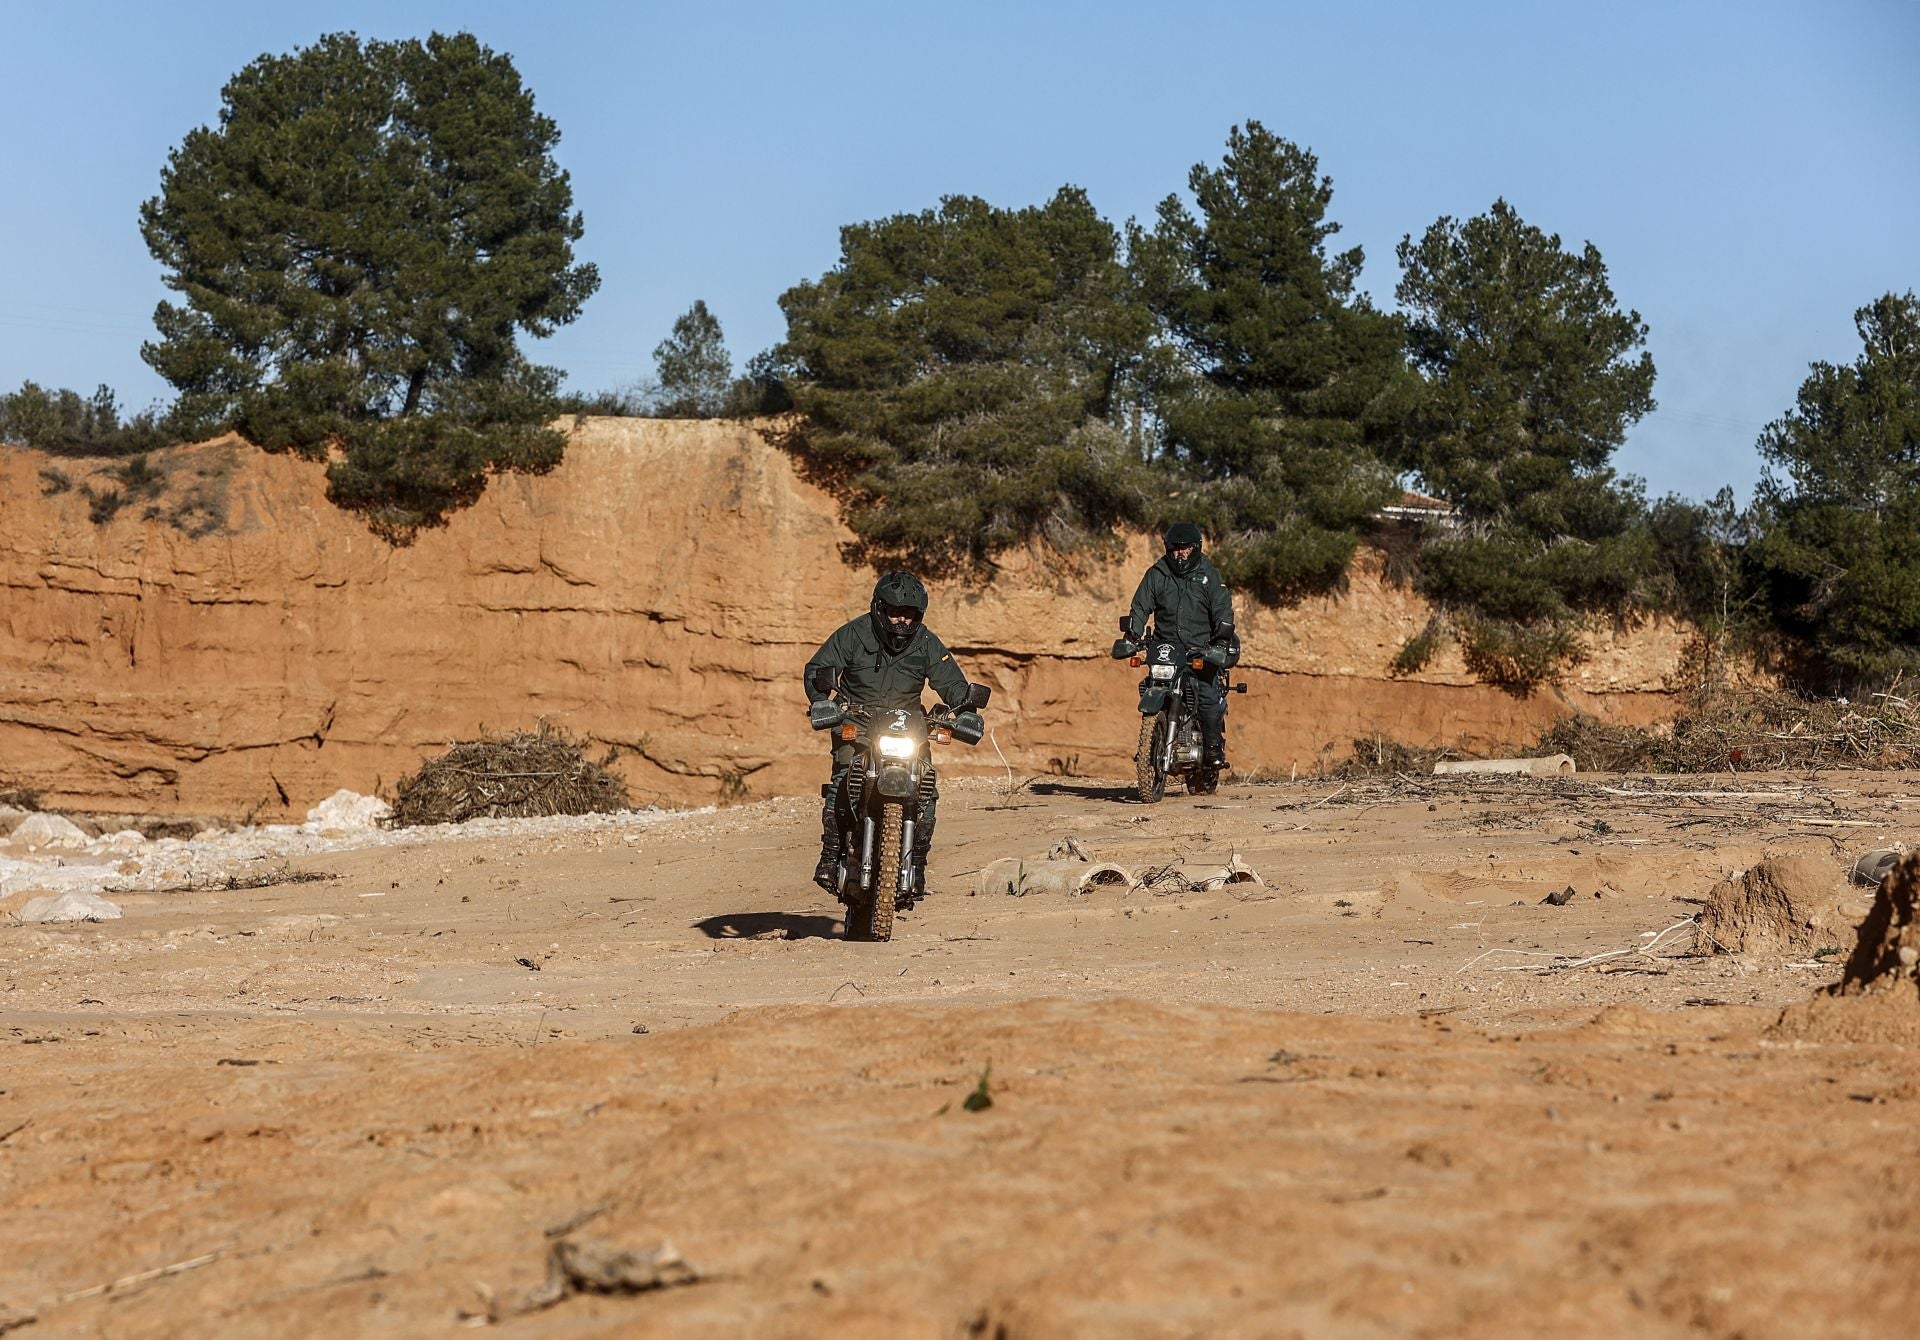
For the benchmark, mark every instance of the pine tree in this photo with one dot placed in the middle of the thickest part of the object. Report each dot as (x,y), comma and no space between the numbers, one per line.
(1275,376)
(357,245)
(1530,380)
(1837,518)
(957,373)
(694,370)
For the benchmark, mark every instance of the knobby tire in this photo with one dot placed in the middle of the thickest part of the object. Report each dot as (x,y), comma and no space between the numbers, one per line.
(1148,776)
(873,921)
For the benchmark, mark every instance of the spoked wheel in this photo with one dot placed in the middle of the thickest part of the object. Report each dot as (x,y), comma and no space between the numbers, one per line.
(1148,774)
(1203,781)
(874,920)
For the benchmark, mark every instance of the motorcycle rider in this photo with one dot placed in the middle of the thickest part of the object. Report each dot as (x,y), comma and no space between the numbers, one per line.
(1190,603)
(885,657)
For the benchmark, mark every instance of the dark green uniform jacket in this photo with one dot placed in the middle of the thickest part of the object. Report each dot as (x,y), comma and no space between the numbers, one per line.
(870,677)
(1195,608)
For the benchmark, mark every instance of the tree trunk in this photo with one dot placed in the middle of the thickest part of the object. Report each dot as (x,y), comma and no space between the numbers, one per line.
(414,387)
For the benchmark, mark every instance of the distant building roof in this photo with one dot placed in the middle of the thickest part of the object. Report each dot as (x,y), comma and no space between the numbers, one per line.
(1419,507)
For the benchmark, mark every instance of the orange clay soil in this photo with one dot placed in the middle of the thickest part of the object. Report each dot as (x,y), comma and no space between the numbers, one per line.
(1370,1098)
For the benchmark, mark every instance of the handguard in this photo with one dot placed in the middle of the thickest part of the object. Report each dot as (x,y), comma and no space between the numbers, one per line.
(968,727)
(1122,649)
(1215,655)
(825,715)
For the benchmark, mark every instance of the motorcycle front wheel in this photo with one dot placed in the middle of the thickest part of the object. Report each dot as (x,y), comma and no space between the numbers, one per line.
(1150,778)
(873,920)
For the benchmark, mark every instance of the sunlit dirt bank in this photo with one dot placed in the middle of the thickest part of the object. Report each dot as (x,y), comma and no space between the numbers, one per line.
(620,1077)
(236,646)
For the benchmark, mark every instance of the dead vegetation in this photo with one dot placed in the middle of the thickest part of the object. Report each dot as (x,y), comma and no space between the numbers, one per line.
(1596,746)
(525,774)
(1751,730)
(1377,756)
(1720,730)
(280,874)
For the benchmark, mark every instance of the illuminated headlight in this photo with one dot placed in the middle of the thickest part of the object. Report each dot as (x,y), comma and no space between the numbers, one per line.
(896,746)
(1164,671)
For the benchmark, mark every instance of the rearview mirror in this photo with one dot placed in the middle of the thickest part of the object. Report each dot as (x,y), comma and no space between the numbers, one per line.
(822,680)
(1125,626)
(978,696)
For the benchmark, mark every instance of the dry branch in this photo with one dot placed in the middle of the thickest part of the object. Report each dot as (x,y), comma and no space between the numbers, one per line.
(522,775)
(1566,963)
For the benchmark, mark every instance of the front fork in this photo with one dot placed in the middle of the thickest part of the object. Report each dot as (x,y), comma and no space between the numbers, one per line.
(868,832)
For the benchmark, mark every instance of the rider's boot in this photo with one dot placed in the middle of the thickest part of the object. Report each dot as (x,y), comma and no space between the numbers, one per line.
(827,873)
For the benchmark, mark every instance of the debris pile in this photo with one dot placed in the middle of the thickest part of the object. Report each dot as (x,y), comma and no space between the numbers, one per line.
(1750,730)
(1598,746)
(1378,756)
(525,774)
(1198,877)
(1747,729)
(1069,868)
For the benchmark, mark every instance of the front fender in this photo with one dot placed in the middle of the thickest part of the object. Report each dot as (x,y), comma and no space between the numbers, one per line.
(896,781)
(1153,697)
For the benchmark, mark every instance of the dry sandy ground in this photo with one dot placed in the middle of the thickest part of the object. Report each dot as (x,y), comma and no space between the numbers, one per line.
(1369,1099)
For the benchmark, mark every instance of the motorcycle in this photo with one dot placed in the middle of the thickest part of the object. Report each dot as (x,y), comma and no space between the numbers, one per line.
(1172,743)
(891,777)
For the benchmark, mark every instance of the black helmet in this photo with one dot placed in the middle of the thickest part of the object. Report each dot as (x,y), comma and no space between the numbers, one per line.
(894,594)
(1180,535)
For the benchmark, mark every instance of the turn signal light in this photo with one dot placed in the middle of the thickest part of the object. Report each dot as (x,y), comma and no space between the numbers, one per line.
(1136,660)
(1197,663)
(942,737)
(849,731)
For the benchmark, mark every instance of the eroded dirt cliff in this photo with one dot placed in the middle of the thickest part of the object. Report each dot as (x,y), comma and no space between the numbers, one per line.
(237,645)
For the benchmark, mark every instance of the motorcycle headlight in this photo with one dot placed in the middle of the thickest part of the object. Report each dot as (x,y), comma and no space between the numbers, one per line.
(896,746)
(1163,671)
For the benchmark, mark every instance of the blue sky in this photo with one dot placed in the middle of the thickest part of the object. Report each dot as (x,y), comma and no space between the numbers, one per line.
(1751,172)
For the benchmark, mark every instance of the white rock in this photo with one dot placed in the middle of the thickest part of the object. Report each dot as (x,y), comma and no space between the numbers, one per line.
(347,812)
(49,831)
(70,907)
(10,817)
(125,840)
